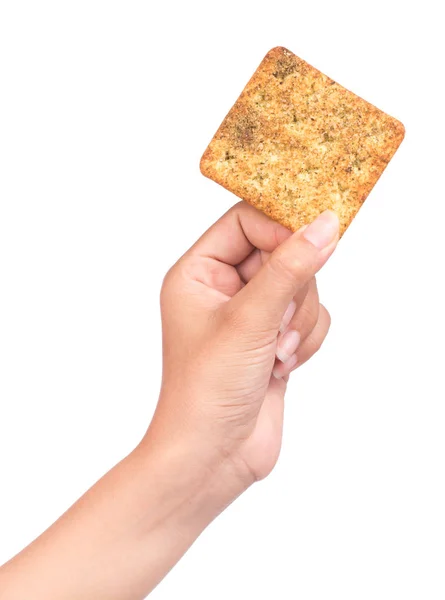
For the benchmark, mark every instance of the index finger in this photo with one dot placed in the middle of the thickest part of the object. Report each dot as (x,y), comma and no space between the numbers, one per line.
(242,229)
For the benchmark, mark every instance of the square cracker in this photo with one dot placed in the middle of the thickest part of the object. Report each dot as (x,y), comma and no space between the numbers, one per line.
(296,143)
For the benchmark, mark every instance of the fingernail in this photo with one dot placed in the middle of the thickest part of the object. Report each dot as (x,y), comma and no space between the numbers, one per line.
(283,369)
(323,230)
(287,345)
(287,317)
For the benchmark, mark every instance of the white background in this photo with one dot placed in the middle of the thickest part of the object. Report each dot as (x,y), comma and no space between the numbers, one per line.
(105,110)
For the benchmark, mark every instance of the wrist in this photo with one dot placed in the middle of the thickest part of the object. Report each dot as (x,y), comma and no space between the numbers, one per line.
(197,480)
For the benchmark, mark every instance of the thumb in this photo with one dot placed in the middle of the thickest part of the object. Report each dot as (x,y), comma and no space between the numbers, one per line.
(263,301)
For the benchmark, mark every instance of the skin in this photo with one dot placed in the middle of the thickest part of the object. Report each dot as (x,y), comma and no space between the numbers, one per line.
(244,294)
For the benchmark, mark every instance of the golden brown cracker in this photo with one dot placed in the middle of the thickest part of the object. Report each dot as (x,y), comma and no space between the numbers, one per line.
(296,143)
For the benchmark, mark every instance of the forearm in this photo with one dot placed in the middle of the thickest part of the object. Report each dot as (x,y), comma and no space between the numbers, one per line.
(122,537)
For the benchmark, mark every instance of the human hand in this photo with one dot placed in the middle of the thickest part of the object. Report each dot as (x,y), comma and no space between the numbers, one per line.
(242,296)
(230,305)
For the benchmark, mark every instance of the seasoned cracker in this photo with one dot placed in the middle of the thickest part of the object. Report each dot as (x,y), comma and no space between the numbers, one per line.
(296,143)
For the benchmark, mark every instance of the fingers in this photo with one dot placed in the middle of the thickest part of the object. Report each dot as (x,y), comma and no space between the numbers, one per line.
(237,233)
(282,370)
(315,339)
(306,316)
(287,345)
(250,266)
(298,354)
(264,300)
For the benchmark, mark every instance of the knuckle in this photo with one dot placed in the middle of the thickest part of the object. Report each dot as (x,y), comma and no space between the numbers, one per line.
(313,345)
(326,316)
(307,317)
(169,283)
(319,334)
(317,343)
(238,206)
(313,287)
(238,209)
(187,267)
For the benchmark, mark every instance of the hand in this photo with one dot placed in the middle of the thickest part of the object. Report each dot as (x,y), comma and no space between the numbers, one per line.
(242,296)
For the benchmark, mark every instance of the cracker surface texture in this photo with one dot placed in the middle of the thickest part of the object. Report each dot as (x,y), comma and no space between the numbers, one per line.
(296,143)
